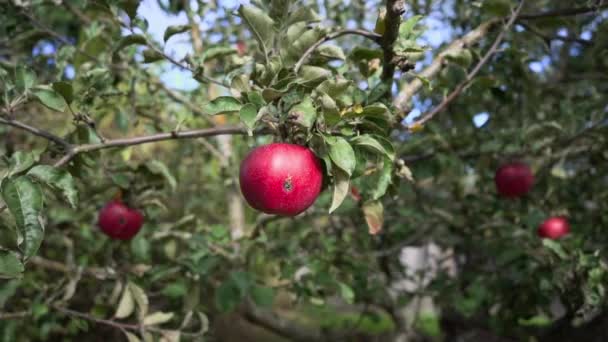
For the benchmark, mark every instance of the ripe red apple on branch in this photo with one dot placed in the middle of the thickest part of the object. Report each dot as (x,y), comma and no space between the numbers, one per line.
(554,228)
(282,179)
(514,179)
(120,222)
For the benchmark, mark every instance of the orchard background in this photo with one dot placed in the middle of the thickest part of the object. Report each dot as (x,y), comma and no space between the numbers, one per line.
(411,106)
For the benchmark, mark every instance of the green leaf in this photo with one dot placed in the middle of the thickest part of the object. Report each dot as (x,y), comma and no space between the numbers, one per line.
(248,115)
(342,154)
(7,290)
(21,161)
(262,296)
(133,39)
(407,27)
(376,110)
(222,105)
(241,83)
(121,120)
(130,7)
(362,53)
(175,290)
(58,180)
(425,81)
(10,265)
(260,25)
(304,113)
(347,293)
(313,74)
(227,296)
(341,185)
(498,8)
(303,13)
(173,30)
(333,88)
(256,98)
(378,92)
(271,94)
(384,179)
(302,43)
(535,321)
(556,248)
(330,110)
(24,78)
(293,33)
(24,199)
(462,57)
(374,216)
(371,143)
(50,98)
(92,47)
(159,168)
(217,52)
(279,9)
(242,280)
(65,90)
(331,52)
(151,56)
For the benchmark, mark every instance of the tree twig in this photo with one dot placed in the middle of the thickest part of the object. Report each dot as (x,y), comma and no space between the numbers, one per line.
(454,94)
(394,11)
(407,92)
(36,131)
(118,325)
(96,272)
(566,12)
(14,315)
(176,96)
(333,35)
(195,133)
(544,36)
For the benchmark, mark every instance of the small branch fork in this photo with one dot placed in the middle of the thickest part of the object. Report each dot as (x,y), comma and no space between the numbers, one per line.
(454,94)
(91,318)
(406,93)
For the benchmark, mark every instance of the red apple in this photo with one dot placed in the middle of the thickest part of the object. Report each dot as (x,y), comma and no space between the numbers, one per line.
(514,179)
(241,48)
(282,179)
(554,228)
(119,221)
(355,194)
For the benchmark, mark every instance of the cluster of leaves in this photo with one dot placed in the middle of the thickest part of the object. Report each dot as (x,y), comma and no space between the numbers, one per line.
(295,88)
(21,188)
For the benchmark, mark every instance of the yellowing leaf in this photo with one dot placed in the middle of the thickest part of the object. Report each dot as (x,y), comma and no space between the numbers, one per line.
(158,318)
(170,336)
(416,127)
(341,184)
(126,304)
(374,216)
(140,298)
(380,26)
(131,337)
